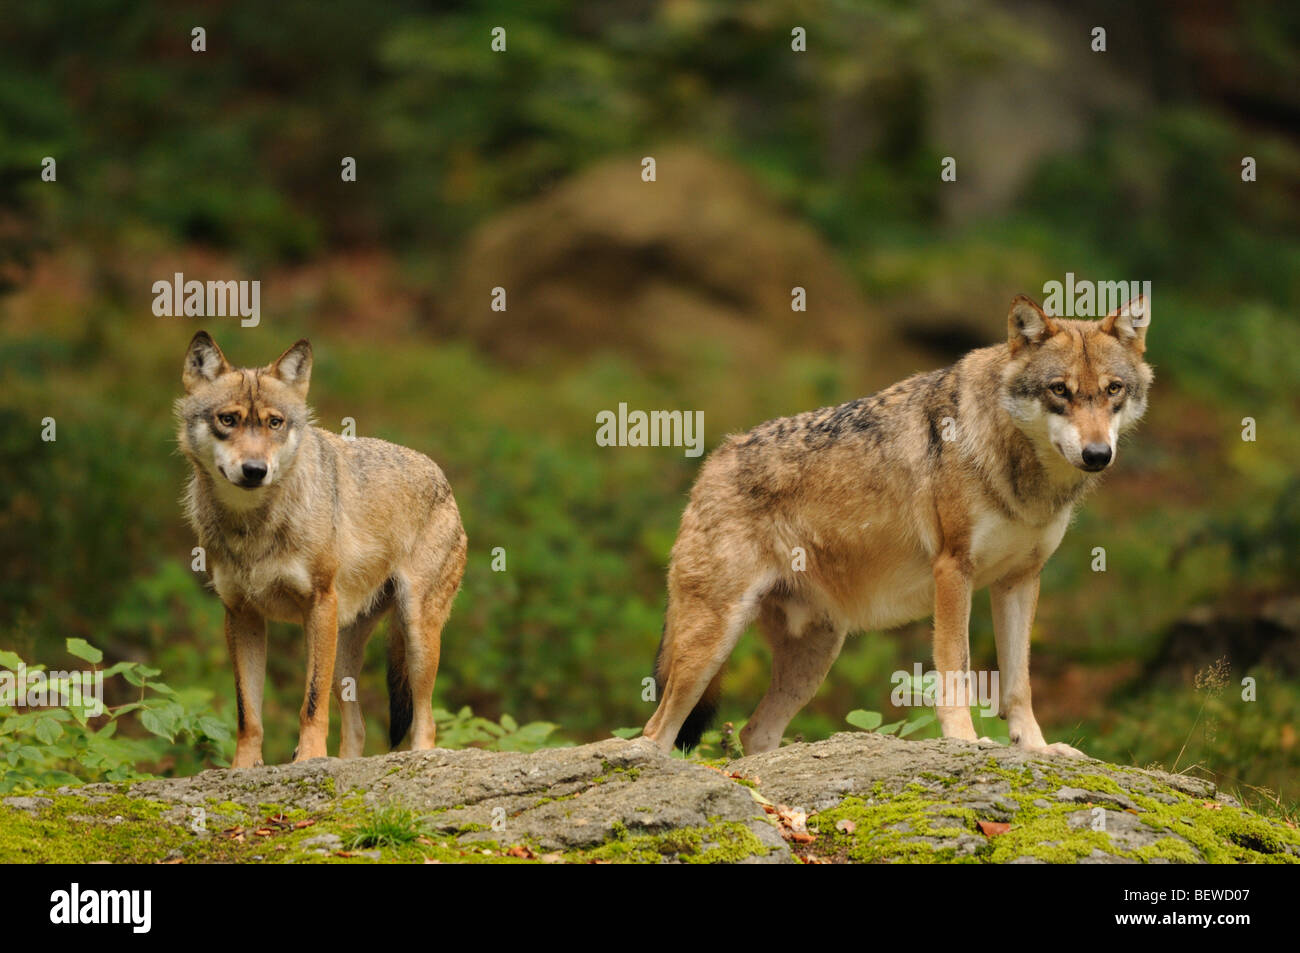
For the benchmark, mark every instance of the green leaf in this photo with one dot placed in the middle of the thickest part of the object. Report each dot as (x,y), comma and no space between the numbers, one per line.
(214,728)
(153,722)
(625,732)
(889,729)
(48,731)
(866,720)
(10,660)
(84,650)
(91,760)
(916,724)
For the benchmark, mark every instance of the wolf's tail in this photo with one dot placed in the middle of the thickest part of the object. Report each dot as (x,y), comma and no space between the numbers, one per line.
(702,715)
(401,704)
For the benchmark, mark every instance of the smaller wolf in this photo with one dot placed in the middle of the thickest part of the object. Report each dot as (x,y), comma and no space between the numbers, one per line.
(891,507)
(300,525)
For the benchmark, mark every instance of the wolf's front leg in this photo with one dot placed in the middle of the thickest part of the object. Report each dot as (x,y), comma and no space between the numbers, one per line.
(1014,602)
(322,631)
(952,597)
(246,639)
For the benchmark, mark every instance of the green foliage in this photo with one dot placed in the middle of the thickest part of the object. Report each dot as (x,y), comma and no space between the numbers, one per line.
(239,146)
(1246,743)
(389,826)
(873,721)
(465,730)
(923,720)
(1259,548)
(50,744)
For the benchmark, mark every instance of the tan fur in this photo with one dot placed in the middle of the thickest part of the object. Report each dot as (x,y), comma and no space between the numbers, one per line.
(334,534)
(897,521)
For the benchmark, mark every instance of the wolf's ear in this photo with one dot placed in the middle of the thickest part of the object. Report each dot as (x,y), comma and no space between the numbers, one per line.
(204,362)
(1129,323)
(1027,324)
(294,366)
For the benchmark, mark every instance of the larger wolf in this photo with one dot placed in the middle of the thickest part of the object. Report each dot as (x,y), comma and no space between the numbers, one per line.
(891,507)
(301,525)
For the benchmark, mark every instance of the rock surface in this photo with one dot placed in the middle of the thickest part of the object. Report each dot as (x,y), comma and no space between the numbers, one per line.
(856,797)
(605,260)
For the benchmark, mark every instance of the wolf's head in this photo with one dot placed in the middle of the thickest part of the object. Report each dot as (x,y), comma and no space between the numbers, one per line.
(243,426)
(1077,385)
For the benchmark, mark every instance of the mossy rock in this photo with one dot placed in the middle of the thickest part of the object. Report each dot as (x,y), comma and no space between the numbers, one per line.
(868,798)
(874,798)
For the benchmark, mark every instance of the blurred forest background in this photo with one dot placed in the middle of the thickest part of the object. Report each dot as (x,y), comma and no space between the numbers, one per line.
(521,169)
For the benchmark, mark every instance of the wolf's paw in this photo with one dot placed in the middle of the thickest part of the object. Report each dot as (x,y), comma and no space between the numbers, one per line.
(1060,748)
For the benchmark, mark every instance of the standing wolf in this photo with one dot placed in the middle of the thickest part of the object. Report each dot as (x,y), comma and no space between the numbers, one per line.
(300,525)
(901,504)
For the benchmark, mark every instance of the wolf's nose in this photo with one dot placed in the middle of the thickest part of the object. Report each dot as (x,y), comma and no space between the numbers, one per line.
(1096,455)
(255,470)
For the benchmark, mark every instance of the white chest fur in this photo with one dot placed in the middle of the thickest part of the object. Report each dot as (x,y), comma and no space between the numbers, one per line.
(1001,546)
(261,580)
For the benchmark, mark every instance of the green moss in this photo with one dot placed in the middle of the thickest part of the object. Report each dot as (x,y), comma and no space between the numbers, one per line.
(915,825)
(609,774)
(76,830)
(938,778)
(892,828)
(717,843)
(1099,783)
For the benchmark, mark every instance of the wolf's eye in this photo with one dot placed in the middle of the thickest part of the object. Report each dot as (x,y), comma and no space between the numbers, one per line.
(275,423)
(1114,388)
(227,420)
(1059,389)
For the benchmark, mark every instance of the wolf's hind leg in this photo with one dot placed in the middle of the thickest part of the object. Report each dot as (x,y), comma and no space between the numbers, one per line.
(702,628)
(423,606)
(800,662)
(347,665)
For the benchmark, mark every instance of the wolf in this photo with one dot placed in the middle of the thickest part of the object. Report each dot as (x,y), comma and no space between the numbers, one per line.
(896,506)
(301,525)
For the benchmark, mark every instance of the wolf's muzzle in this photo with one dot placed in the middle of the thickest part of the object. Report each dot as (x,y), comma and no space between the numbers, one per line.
(1096,456)
(254,473)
